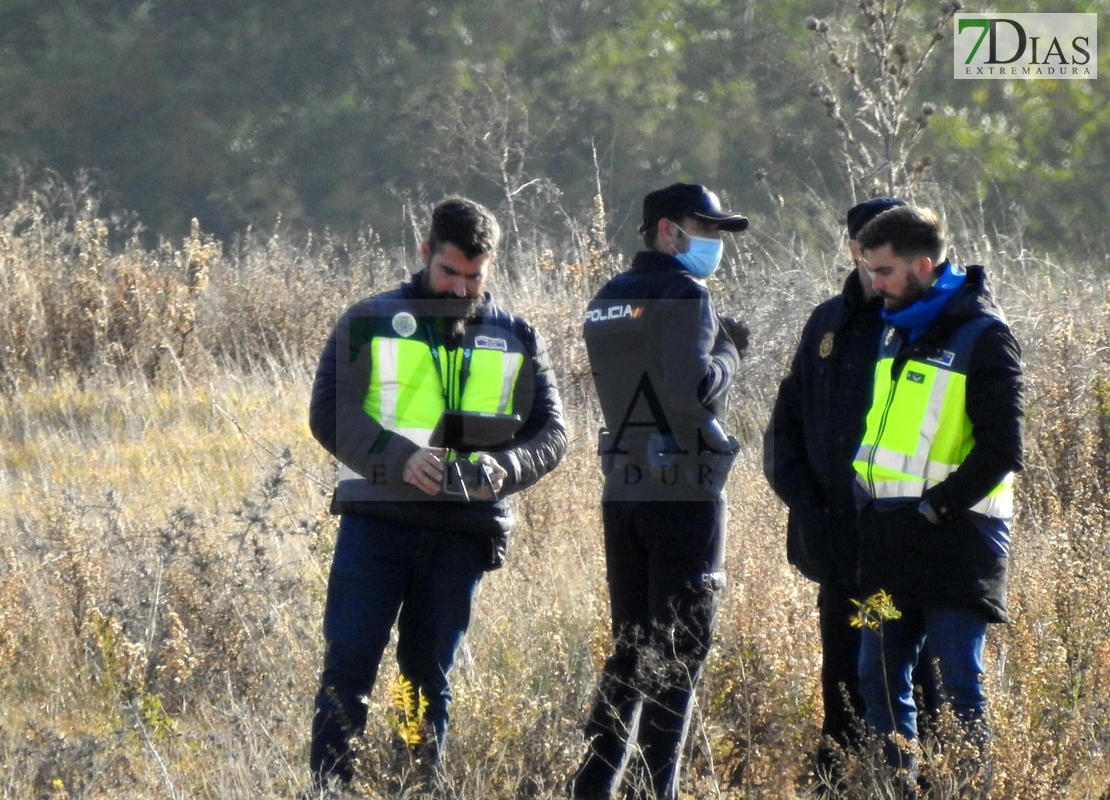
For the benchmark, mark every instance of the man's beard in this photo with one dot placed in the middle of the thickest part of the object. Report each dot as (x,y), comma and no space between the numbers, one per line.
(455,311)
(913,291)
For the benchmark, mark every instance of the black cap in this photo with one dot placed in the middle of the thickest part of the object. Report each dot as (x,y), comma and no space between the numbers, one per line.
(861,214)
(688,200)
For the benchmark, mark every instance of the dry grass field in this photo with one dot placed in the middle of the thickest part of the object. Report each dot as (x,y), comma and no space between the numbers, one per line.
(164,541)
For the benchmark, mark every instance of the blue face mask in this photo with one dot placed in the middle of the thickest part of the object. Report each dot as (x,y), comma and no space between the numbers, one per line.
(703,257)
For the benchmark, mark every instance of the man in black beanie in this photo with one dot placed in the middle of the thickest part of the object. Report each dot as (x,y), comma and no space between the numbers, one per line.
(815,428)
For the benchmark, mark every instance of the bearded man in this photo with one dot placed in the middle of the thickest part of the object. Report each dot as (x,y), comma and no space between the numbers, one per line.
(422,515)
(935,479)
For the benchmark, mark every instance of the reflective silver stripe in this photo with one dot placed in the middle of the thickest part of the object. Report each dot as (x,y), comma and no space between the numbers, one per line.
(931,423)
(510,368)
(864,452)
(916,466)
(894,461)
(386,360)
(936,471)
(421,436)
(999,505)
(894,490)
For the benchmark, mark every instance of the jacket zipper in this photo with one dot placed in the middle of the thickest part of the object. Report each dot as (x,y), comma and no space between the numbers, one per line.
(895,370)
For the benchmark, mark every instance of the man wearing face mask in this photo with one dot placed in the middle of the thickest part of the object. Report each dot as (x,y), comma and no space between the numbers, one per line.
(662,361)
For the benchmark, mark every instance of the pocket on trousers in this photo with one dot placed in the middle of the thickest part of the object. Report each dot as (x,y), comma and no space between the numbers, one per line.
(496,550)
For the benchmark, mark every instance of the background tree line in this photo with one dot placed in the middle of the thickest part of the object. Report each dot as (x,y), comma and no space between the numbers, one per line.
(341,115)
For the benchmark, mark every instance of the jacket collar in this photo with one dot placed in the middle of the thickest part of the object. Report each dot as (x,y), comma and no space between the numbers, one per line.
(653,259)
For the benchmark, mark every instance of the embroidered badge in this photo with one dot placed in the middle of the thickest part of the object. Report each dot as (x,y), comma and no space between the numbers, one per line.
(404,324)
(945,358)
(826,347)
(490,343)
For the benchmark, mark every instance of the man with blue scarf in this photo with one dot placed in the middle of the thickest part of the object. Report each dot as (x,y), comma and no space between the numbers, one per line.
(934,475)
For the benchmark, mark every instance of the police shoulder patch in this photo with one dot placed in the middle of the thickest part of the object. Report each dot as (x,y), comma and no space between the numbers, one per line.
(612,312)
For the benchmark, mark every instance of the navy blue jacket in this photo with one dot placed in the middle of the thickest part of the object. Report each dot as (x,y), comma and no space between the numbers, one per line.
(339,422)
(662,364)
(815,430)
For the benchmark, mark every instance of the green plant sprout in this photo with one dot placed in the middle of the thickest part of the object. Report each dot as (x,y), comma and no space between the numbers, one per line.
(874,611)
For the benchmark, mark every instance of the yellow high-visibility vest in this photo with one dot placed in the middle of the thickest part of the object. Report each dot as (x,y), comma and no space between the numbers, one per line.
(918,431)
(413,382)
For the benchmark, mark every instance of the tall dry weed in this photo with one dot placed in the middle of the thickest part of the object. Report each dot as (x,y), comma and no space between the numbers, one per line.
(82,296)
(164,542)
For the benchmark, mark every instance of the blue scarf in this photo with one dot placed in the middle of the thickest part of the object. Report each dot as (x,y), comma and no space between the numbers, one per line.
(916,318)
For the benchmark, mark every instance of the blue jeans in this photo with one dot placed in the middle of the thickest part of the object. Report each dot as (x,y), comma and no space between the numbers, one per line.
(840,648)
(887,658)
(382,572)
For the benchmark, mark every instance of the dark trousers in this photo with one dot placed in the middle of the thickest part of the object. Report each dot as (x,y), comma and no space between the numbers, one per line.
(383,572)
(839,668)
(664,569)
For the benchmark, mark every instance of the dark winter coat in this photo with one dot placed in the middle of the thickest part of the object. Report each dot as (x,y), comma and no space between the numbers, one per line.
(662,364)
(815,429)
(340,423)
